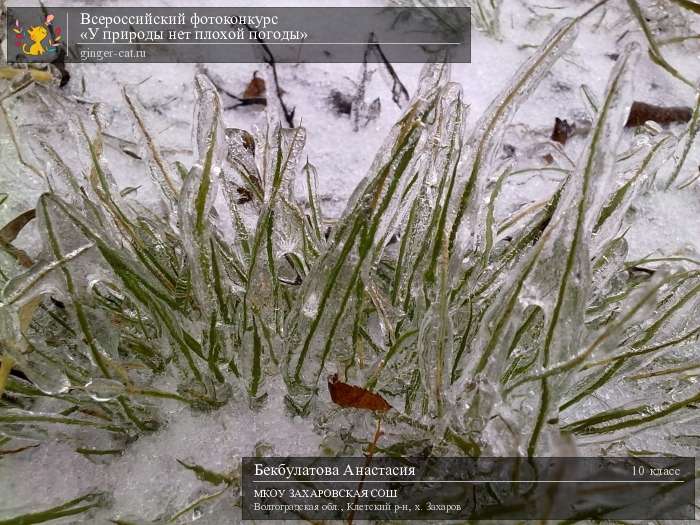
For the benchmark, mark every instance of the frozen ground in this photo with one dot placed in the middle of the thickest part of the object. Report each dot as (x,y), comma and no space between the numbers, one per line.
(147,482)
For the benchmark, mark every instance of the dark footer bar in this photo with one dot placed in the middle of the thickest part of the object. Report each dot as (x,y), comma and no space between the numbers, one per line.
(609,488)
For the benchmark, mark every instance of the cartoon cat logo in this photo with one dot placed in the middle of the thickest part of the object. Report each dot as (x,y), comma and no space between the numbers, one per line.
(37,36)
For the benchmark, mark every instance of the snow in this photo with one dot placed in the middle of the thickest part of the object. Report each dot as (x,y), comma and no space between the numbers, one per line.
(147,482)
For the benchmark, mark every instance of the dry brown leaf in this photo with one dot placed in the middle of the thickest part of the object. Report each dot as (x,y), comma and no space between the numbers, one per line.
(562,130)
(642,112)
(20,255)
(351,396)
(245,195)
(255,88)
(11,230)
(248,142)
(9,233)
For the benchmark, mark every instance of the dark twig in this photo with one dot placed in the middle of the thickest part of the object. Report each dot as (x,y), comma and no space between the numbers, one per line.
(270,61)
(359,98)
(397,89)
(60,61)
(244,101)
(368,460)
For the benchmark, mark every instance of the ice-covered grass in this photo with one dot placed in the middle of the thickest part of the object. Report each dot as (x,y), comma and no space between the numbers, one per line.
(491,298)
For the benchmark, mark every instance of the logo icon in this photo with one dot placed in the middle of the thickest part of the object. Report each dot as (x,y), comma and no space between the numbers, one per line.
(40,42)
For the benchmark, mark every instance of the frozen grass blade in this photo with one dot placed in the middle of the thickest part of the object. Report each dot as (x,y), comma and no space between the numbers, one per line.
(654,51)
(328,295)
(693,128)
(69,508)
(465,205)
(594,171)
(158,167)
(619,202)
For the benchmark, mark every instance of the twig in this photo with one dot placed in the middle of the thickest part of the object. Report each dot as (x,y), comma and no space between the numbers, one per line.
(270,61)
(359,97)
(397,88)
(370,454)
(60,61)
(246,101)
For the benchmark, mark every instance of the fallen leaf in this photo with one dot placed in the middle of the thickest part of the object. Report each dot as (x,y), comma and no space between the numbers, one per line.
(26,313)
(10,231)
(562,130)
(20,255)
(640,112)
(248,142)
(245,195)
(255,89)
(354,396)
